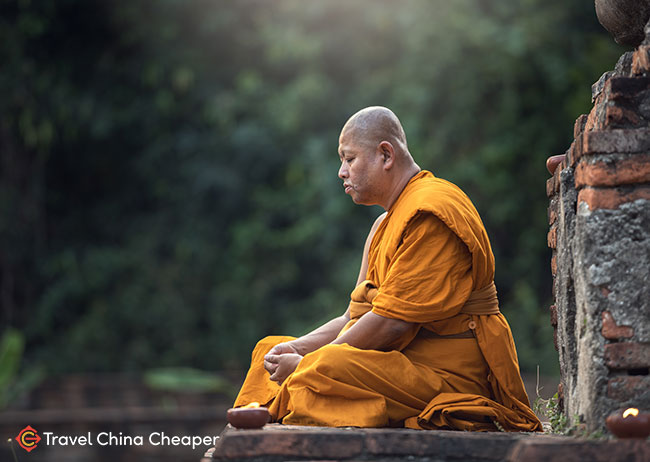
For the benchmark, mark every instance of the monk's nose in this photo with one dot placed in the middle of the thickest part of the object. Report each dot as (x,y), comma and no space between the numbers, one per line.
(343,171)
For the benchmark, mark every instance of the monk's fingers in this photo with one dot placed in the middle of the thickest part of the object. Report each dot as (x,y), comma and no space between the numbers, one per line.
(281,349)
(277,350)
(270,367)
(276,377)
(289,362)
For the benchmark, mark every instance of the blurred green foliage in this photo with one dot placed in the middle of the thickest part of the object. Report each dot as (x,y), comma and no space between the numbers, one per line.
(168,188)
(11,352)
(188,380)
(14,379)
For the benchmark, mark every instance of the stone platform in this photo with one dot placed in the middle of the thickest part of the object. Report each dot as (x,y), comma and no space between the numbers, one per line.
(292,443)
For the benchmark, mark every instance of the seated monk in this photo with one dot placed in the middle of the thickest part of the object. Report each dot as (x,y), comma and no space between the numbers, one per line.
(422,343)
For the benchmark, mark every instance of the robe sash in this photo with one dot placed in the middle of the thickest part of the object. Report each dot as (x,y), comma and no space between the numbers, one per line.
(480,302)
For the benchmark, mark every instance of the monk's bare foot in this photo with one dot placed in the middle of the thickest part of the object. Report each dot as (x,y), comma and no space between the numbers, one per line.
(553,161)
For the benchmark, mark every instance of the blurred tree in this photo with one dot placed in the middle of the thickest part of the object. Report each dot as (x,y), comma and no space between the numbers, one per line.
(168,187)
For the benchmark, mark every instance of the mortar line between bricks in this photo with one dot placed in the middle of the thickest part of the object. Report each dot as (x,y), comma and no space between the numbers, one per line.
(630,186)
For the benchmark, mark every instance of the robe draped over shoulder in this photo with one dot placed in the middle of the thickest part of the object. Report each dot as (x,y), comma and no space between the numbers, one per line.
(430,263)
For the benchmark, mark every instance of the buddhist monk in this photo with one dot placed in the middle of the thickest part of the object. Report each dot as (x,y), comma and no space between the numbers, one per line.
(422,343)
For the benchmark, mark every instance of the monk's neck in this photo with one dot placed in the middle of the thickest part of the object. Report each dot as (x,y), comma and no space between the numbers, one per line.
(399,185)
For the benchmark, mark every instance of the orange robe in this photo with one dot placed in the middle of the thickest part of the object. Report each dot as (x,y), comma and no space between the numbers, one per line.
(430,264)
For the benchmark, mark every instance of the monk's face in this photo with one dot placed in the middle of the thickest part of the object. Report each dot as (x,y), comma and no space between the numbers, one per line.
(361,169)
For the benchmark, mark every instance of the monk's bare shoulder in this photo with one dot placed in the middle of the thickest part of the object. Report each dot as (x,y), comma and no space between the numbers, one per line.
(366,248)
(377,222)
(373,230)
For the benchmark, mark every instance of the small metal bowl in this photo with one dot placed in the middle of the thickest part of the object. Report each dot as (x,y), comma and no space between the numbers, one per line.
(248,417)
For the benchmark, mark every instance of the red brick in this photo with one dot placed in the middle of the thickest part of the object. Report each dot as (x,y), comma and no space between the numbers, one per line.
(578,147)
(552,186)
(618,116)
(625,87)
(553,310)
(552,213)
(579,126)
(592,117)
(628,170)
(613,331)
(551,238)
(554,265)
(611,198)
(641,60)
(570,155)
(595,116)
(628,355)
(627,388)
(613,141)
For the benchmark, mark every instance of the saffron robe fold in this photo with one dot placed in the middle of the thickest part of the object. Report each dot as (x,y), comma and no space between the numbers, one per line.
(428,258)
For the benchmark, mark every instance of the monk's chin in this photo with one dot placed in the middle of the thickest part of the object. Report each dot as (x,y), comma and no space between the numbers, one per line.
(361,201)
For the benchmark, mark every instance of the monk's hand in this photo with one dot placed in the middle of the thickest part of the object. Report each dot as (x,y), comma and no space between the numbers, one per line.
(279,349)
(283,348)
(284,364)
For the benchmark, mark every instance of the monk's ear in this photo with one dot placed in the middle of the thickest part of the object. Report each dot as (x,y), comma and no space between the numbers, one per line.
(387,153)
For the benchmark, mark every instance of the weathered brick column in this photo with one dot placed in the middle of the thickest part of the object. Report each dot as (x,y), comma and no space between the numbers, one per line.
(599,217)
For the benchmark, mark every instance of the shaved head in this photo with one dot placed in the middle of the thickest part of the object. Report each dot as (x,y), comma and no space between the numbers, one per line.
(376,164)
(375,124)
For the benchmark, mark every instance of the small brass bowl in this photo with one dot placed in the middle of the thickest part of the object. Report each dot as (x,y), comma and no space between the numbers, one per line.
(629,427)
(248,417)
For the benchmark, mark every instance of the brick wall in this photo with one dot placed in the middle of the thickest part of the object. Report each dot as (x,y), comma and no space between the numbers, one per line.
(599,216)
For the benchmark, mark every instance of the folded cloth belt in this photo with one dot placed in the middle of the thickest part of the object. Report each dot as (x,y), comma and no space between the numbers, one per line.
(480,302)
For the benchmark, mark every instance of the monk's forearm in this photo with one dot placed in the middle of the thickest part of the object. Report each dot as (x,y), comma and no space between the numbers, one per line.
(321,336)
(374,332)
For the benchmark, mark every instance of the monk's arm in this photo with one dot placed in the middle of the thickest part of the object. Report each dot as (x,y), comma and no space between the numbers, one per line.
(374,332)
(370,332)
(319,337)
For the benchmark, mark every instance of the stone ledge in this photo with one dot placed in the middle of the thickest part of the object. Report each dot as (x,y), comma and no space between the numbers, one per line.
(569,449)
(292,443)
